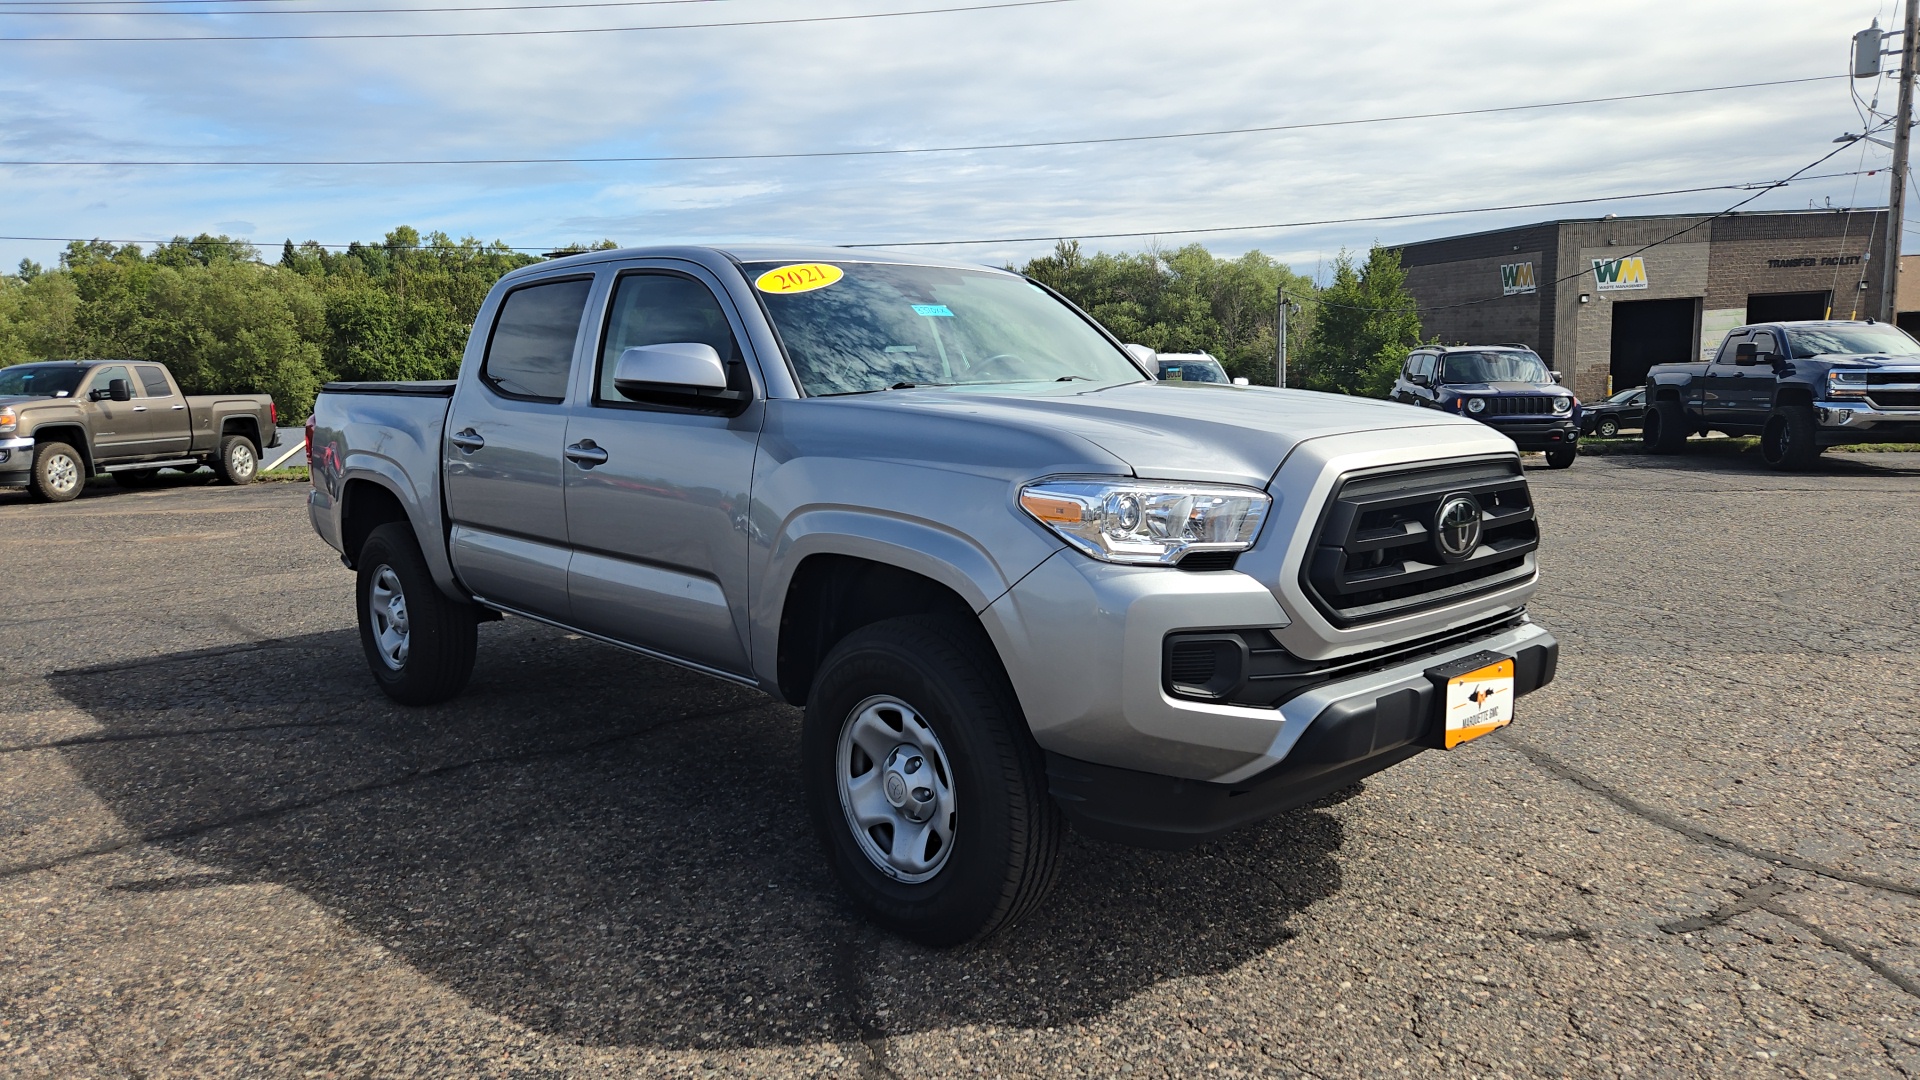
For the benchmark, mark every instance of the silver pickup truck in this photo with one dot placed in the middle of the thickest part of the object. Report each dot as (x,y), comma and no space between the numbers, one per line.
(1015,581)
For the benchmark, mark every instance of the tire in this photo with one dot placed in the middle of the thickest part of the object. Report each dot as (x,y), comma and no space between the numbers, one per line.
(58,475)
(1607,428)
(1561,457)
(1664,430)
(238,462)
(1791,440)
(932,688)
(135,478)
(419,643)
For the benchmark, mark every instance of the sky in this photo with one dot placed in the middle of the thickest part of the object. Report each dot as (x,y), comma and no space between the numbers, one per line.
(1063,70)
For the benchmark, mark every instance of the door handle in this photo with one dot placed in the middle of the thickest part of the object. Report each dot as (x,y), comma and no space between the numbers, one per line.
(468,440)
(586,455)
(177,408)
(139,408)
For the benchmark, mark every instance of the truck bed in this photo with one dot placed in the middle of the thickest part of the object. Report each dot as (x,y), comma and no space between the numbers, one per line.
(424,388)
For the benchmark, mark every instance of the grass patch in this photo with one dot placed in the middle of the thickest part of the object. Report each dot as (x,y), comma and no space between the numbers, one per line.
(286,474)
(1744,444)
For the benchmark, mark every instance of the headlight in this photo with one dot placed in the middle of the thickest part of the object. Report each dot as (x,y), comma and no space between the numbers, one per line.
(9,420)
(1145,521)
(1563,404)
(1477,405)
(1847,384)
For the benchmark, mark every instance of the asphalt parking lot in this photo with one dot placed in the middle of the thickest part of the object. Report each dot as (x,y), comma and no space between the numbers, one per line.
(226,854)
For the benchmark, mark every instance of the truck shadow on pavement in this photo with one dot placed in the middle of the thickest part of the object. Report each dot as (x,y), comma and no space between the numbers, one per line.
(615,851)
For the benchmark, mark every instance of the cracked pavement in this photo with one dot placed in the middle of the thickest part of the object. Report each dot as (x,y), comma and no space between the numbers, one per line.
(224,853)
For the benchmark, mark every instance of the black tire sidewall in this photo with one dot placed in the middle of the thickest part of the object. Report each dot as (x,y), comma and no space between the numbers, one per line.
(1561,458)
(1795,422)
(969,714)
(438,662)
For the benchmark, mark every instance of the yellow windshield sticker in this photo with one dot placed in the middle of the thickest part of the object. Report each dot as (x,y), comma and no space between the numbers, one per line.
(799,277)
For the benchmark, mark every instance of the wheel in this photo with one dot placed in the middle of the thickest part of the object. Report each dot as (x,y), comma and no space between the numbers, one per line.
(1560,457)
(1791,440)
(923,783)
(58,474)
(237,463)
(135,478)
(419,643)
(1664,430)
(1607,428)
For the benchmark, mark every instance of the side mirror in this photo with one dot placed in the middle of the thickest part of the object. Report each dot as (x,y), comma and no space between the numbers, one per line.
(1746,355)
(118,390)
(1141,353)
(677,368)
(1555,374)
(1419,379)
(1240,382)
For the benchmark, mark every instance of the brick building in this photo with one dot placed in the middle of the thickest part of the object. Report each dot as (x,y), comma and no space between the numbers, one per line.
(1573,292)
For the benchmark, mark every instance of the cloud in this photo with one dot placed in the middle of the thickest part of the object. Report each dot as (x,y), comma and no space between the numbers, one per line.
(1090,68)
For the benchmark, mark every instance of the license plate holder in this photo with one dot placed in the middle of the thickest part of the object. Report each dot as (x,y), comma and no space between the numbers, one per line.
(1475,696)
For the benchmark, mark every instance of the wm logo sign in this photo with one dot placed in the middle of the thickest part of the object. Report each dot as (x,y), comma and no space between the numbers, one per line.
(1516,278)
(1611,275)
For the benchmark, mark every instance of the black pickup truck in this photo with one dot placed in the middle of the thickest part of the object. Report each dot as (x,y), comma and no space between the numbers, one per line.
(1801,386)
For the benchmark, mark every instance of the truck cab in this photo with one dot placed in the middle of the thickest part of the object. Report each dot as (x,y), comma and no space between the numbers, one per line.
(1506,387)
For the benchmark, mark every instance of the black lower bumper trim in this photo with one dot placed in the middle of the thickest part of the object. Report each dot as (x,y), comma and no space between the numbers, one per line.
(1345,744)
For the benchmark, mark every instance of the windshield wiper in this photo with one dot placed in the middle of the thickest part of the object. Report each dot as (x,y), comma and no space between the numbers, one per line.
(1070,378)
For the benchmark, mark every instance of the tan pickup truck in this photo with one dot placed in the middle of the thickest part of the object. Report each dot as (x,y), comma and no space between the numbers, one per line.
(65,420)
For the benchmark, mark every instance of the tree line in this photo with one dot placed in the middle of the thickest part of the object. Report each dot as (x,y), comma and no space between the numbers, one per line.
(226,320)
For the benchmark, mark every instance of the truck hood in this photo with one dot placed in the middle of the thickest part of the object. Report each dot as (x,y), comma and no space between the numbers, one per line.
(1507,388)
(1866,360)
(1177,431)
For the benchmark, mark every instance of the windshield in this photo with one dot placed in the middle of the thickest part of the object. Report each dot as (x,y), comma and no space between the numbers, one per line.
(1849,340)
(1197,370)
(876,326)
(40,380)
(1486,367)
(1625,396)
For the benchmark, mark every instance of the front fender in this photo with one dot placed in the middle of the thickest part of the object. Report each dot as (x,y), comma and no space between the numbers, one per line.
(919,545)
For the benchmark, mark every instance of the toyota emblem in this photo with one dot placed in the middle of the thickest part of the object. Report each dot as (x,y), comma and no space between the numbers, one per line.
(1456,527)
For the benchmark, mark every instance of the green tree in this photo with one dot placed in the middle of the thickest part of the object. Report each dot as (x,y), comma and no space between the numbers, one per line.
(1364,323)
(1187,300)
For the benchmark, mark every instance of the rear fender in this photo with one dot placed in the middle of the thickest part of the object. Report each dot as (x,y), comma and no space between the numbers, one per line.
(422,510)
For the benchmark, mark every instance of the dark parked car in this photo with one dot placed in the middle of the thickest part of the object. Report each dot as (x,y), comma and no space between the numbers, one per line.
(1623,410)
(1801,386)
(1506,387)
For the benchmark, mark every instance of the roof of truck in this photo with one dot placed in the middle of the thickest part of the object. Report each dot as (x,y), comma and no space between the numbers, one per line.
(761,252)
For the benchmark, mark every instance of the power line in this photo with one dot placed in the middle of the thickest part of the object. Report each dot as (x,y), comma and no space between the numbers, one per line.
(330,11)
(1669,238)
(1764,187)
(577,30)
(895,151)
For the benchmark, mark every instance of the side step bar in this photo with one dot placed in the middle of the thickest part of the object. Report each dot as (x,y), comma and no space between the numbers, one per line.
(153,465)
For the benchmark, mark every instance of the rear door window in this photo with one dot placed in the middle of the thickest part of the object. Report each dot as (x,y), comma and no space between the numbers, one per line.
(153,381)
(531,352)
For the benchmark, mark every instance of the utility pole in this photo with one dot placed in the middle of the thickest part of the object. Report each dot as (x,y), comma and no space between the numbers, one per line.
(1280,346)
(1897,198)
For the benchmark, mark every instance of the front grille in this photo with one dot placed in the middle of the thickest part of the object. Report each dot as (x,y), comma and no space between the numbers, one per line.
(1894,399)
(1519,405)
(1905,380)
(1192,664)
(1375,557)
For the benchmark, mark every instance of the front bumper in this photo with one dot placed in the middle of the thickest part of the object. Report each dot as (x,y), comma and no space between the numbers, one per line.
(16,461)
(1538,433)
(1843,422)
(1333,737)
(1084,644)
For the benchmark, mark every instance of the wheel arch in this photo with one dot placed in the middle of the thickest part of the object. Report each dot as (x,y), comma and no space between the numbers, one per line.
(74,435)
(830,595)
(248,426)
